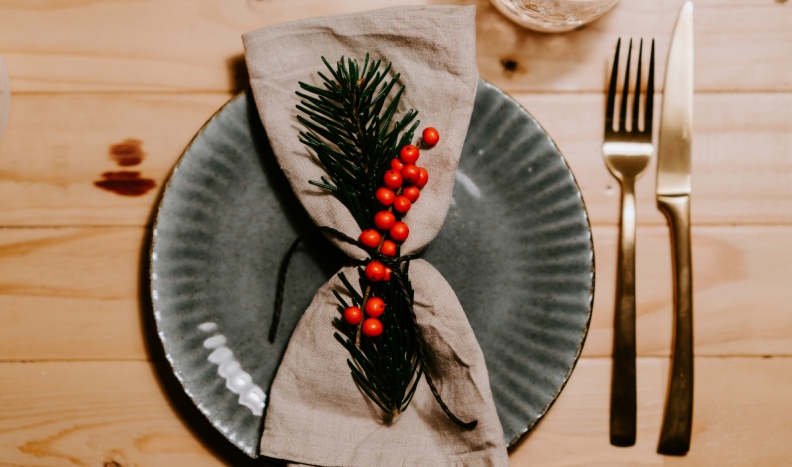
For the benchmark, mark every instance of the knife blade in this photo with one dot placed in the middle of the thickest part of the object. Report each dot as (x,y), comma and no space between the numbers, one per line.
(673,198)
(676,119)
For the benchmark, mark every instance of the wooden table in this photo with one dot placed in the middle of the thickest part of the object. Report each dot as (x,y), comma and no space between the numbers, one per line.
(101,82)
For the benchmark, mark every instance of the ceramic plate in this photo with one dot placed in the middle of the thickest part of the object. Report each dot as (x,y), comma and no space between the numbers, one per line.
(516,247)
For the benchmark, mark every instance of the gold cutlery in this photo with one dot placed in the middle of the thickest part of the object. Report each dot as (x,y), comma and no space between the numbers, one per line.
(673,198)
(626,153)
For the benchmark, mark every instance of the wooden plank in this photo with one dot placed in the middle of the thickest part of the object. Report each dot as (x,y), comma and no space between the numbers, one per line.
(730,37)
(740,416)
(741,149)
(72,293)
(120,414)
(150,45)
(164,45)
(741,302)
(740,164)
(110,414)
(57,146)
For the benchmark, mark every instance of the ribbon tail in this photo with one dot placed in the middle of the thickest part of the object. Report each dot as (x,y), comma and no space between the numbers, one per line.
(466,425)
(282,284)
(285,267)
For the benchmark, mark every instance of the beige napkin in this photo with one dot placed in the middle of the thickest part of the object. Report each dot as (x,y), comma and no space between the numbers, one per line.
(434,50)
(316,413)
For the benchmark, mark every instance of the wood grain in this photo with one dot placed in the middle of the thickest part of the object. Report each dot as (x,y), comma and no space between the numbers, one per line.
(109,414)
(740,302)
(73,293)
(57,146)
(121,414)
(195,45)
(740,164)
(740,156)
(732,424)
(102,83)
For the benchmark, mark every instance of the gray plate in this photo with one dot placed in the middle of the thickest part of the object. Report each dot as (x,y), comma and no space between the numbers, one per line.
(516,247)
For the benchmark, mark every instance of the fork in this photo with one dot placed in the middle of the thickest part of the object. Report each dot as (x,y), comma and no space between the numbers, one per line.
(626,153)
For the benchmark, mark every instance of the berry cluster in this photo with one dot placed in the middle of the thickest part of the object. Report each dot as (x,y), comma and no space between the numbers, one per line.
(403,183)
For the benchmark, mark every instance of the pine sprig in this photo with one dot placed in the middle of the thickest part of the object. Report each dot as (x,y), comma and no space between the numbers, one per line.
(350,125)
(352,128)
(387,368)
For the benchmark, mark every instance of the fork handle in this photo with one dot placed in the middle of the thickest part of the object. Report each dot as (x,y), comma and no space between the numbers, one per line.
(623,405)
(675,434)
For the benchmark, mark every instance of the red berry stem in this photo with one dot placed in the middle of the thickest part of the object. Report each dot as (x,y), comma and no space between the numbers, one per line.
(403,166)
(368,287)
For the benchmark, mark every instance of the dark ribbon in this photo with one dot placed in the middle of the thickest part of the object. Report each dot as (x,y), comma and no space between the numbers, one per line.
(395,263)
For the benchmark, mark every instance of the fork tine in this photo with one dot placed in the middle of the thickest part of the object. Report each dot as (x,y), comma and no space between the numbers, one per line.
(637,93)
(650,94)
(612,91)
(625,92)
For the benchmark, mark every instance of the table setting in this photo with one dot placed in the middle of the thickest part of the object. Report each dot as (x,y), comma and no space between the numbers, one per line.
(397,235)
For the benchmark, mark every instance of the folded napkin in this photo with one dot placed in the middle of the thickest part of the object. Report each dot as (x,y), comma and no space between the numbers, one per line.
(317,415)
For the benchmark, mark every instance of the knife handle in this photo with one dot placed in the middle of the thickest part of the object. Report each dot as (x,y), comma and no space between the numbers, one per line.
(623,404)
(676,431)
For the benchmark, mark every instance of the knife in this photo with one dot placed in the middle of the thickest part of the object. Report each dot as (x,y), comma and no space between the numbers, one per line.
(673,198)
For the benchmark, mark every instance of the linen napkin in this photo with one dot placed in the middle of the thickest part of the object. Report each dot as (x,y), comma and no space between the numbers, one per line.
(434,50)
(316,414)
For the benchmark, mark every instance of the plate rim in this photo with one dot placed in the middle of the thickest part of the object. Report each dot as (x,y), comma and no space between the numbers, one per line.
(151,260)
(578,351)
(522,434)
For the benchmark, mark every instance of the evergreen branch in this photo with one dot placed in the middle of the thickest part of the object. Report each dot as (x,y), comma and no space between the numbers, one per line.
(352,128)
(362,383)
(319,102)
(356,298)
(409,396)
(340,299)
(351,124)
(323,185)
(388,115)
(385,91)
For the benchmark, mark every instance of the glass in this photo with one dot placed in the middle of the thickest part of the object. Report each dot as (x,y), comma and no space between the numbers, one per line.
(553,15)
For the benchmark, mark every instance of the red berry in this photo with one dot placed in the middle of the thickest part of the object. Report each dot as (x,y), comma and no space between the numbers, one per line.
(399,232)
(388,249)
(370,237)
(375,271)
(396,165)
(384,220)
(412,193)
(353,315)
(423,178)
(372,327)
(385,196)
(387,274)
(409,154)
(411,173)
(431,136)
(402,204)
(375,306)
(393,179)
